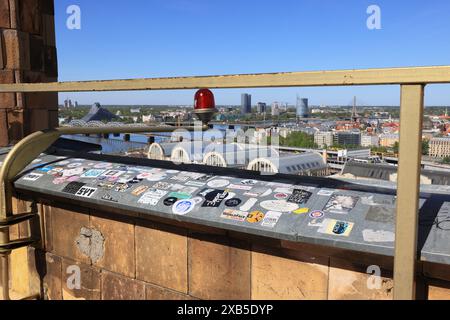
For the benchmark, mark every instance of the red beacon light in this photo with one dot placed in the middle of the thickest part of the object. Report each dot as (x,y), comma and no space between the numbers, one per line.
(204,105)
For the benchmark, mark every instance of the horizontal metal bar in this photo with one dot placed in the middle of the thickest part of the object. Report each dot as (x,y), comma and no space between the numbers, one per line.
(16,244)
(386,76)
(16,219)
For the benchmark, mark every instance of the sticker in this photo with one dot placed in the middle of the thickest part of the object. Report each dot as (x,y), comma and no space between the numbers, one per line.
(218,183)
(33,177)
(86,192)
(139,190)
(335,227)
(180,178)
(106,185)
(378,236)
(143,175)
(73,172)
(73,178)
(195,183)
(341,204)
(249,204)
(259,192)
(103,165)
(170,201)
(122,187)
(59,180)
(135,180)
(108,197)
(73,187)
(183,207)
(198,200)
(283,190)
(281,196)
(152,197)
(325,192)
(172,171)
(299,196)
(214,198)
(63,163)
(46,169)
(255,216)
(279,205)
(180,195)
(156,177)
(113,174)
(162,185)
(271,219)
(125,178)
(233,202)
(234,215)
(204,192)
(316,214)
(177,187)
(301,211)
(249,182)
(93,173)
(74,165)
(239,187)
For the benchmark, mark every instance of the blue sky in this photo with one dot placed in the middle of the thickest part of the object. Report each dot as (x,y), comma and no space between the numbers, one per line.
(159,38)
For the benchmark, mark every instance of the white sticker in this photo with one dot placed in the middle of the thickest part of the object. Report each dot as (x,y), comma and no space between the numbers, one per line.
(86,192)
(231,195)
(325,192)
(103,165)
(74,165)
(73,172)
(239,187)
(249,204)
(33,176)
(279,205)
(271,219)
(220,183)
(183,207)
(284,190)
(195,183)
(378,236)
(113,173)
(152,197)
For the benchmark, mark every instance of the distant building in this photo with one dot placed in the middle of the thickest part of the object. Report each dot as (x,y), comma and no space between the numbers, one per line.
(323,139)
(246,103)
(98,113)
(135,110)
(302,108)
(388,140)
(440,147)
(261,107)
(369,140)
(275,109)
(347,138)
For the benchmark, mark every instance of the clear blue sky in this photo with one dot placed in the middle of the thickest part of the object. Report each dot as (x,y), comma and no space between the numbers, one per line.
(159,38)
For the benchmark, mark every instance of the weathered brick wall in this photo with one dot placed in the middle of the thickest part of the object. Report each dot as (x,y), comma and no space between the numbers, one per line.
(27,54)
(128,258)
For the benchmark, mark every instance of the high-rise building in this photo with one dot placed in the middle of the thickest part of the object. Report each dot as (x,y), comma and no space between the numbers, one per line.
(261,107)
(440,147)
(346,138)
(302,108)
(275,109)
(323,139)
(246,103)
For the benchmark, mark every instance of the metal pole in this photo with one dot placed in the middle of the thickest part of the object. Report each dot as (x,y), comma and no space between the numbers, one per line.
(408,189)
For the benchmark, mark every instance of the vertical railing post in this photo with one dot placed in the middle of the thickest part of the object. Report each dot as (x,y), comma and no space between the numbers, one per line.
(408,189)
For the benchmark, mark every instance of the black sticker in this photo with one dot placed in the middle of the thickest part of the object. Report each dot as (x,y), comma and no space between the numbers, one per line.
(135,180)
(73,187)
(170,201)
(108,197)
(300,196)
(233,202)
(215,198)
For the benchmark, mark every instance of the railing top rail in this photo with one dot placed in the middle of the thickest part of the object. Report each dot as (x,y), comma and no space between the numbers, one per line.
(386,76)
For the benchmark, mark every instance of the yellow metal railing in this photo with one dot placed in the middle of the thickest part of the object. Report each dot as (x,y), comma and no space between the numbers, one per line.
(411,80)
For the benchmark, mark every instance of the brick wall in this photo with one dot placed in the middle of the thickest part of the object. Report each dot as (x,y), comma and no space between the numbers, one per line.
(128,258)
(27,54)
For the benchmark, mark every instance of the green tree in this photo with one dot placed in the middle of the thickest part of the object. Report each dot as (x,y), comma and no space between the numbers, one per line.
(425,147)
(298,140)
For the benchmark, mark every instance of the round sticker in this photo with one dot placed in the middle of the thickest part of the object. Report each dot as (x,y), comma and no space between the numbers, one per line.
(170,201)
(233,202)
(249,182)
(155,177)
(316,214)
(281,196)
(255,216)
(74,165)
(183,207)
(279,205)
(218,183)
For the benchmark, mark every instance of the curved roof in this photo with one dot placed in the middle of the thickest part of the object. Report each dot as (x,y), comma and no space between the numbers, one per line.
(292,164)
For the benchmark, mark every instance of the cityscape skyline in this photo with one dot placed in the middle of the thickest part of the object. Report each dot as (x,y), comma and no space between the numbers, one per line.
(326,36)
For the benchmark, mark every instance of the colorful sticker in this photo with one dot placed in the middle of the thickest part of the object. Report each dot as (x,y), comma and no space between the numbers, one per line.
(183,207)
(255,217)
(281,196)
(93,173)
(271,219)
(301,211)
(234,215)
(180,195)
(139,190)
(106,185)
(162,185)
(316,214)
(122,187)
(335,227)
